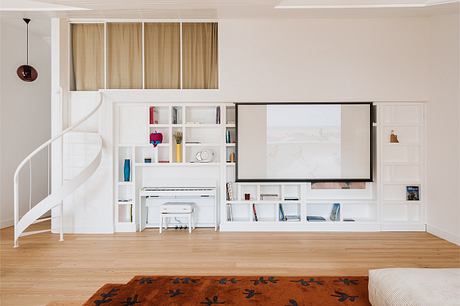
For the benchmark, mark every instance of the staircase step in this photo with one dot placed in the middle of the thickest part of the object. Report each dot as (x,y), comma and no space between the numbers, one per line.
(43,220)
(34,232)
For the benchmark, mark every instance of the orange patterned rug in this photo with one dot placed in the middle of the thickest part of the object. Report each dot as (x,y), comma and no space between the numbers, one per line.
(237,290)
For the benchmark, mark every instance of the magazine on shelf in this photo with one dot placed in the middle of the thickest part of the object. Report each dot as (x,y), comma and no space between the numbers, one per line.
(412,193)
(335,212)
(315,219)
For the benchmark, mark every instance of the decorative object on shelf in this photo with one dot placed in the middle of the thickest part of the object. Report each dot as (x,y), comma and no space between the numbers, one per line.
(218,115)
(26,72)
(247,196)
(229,191)
(413,193)
(232,157)
(204,156)
(156,138)
(393,137)
(335,212)
(229,212)
(152,111)
(127,170)
(147,160)
(178,138)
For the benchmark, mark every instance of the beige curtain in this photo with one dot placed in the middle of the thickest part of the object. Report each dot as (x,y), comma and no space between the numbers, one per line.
(124,55)
(199,55)
(88,56)
(162,55)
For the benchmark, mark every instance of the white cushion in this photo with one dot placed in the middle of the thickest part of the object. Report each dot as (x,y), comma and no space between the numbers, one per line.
(176,208)
(414,287)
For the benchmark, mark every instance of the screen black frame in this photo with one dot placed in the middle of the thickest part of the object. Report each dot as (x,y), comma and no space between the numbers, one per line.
(371,145)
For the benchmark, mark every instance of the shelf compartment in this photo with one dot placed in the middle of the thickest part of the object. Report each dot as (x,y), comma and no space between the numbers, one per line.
(322,210)
(400,153)
(125,213)
(406,134)
(177,115)
(163,130)
(160,114)
(125,193)
(149,152)
(401,114)
(230,115)
(191,151)
(124,152)
(202,115)
(202,135)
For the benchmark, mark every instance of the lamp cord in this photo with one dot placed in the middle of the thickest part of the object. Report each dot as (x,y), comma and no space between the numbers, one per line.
(27,52)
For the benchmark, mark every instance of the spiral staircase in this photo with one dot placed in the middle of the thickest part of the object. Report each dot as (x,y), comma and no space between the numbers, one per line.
(25,216)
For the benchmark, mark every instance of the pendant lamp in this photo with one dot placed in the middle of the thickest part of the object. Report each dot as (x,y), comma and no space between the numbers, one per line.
(26,72)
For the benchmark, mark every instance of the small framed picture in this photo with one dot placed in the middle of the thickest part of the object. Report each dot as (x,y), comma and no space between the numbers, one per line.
(412,193)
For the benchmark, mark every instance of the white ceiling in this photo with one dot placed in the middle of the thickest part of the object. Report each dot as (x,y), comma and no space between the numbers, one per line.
(215,9)
(312,4)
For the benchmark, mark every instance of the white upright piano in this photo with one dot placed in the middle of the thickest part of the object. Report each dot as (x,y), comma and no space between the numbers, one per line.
(203,194)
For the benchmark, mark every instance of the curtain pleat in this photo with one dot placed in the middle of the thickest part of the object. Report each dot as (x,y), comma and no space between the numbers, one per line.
(124,55)
(162,55)
(88,56)
(199,56)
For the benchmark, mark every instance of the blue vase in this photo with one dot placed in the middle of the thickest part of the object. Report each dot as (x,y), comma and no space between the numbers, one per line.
(127,170)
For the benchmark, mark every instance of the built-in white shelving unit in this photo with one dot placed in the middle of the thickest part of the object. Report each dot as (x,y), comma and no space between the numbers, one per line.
(381,205)
(402,165)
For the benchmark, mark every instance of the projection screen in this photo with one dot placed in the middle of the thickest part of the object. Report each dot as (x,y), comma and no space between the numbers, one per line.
(304,142)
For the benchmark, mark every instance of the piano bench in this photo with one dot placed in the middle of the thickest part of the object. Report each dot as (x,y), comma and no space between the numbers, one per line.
(177,210)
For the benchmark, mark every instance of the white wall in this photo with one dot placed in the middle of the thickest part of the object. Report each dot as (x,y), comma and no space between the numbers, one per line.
(345,59)
(444,128)
(25,108)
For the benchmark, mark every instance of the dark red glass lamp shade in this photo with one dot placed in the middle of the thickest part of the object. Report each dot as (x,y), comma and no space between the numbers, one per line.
(27,73)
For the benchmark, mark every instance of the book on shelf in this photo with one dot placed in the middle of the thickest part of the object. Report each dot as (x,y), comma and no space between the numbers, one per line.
(269,196)
(348,220)
(228,138)
(174,115)
(229,189)
(255,212)
(218,115)
(335,212)
(291,198)
(282,217)
(315,219)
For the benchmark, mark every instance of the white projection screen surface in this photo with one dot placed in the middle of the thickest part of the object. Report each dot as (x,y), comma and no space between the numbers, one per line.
(304,142)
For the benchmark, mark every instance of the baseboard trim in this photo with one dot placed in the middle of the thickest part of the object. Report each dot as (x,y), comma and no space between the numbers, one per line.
(6,223)
(443,234)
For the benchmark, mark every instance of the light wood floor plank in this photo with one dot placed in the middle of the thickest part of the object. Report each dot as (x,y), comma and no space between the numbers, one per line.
(44,270)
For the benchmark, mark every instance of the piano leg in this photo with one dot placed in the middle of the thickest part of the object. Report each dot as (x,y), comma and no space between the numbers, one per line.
(161,224)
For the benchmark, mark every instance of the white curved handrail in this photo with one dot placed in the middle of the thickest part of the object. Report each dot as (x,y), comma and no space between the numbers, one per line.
(58,195)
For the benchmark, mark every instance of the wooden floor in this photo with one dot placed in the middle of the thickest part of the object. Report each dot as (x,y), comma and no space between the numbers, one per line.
(43,269)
